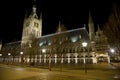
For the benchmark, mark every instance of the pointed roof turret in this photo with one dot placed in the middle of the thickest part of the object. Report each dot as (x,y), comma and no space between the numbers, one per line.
(84,25)
(90,18)
(34,6)
(40,16)
(98,28)
(61,27)
(33,14)
(34,9)
(25,16)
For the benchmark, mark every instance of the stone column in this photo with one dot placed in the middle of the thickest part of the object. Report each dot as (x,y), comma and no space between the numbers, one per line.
(108,59)
(94,60)
(76,59)
(35,58)
(32,59)
(40,58)
(44,58)
(55,58)
(68,55)
(28,59)
(84,61)
(62,59)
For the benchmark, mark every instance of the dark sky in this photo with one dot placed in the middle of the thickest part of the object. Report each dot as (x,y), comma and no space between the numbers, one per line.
(73,13)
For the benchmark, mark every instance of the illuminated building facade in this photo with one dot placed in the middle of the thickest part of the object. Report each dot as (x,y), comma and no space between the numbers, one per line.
(64,46)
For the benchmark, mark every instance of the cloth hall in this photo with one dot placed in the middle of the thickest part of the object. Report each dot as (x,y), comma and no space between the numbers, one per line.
(63,46)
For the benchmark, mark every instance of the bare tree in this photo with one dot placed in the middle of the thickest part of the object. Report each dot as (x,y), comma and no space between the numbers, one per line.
(112,28)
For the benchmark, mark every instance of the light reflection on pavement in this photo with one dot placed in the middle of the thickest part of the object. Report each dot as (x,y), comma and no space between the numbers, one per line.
(8,72)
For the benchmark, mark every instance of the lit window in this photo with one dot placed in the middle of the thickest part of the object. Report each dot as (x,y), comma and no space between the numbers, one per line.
(74,39)
(41,44)
(49,43)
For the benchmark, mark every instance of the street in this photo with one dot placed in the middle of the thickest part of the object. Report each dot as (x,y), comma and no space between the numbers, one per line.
(10,72)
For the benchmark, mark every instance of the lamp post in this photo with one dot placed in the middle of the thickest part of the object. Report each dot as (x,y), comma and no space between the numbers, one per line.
(21,53)
(9,56)
(113,53)
(49,65)
(84,44)
(30,54)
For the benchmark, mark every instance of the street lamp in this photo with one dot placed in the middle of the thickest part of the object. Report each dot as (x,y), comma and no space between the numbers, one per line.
(49,65)
(113,53)
(44,50)
(21,53)
(112,50)
(9,56)
(84,44)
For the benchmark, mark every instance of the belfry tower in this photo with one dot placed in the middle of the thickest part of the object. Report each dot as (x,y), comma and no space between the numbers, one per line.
(32,27)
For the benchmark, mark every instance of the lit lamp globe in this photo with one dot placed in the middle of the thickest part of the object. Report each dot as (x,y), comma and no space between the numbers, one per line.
(112,50)
(43,50)
(84,44)
(21,53)
(9,54)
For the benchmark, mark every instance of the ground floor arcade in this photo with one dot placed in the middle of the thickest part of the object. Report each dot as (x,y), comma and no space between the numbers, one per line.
(75,58)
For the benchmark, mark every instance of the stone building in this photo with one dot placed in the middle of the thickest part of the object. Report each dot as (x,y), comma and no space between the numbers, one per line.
(64,46)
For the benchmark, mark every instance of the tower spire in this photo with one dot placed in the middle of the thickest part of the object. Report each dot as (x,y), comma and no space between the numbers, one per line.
(25,15)
(98,27)
(59,26)
(90,17)
(34,6)
(91,27)
(40,16)
(33,14)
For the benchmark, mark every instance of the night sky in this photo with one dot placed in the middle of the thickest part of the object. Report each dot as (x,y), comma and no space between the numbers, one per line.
(73,13)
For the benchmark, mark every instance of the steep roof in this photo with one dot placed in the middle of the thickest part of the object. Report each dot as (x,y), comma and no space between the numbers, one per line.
(80,32)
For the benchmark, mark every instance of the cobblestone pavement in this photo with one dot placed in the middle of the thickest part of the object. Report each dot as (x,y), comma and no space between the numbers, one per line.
(8,72)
